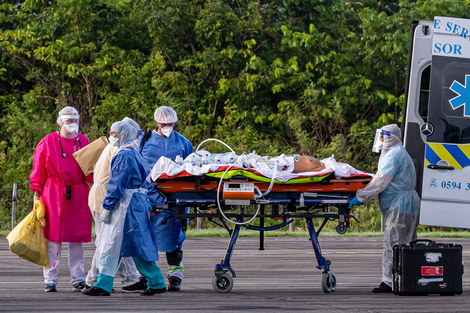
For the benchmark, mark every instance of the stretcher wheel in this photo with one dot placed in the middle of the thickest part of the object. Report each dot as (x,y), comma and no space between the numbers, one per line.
(223,284)
(328,282)
(341,229)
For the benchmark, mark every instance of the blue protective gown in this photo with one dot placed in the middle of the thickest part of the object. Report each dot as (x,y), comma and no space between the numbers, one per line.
(128,172)
(158,146)
(169,236)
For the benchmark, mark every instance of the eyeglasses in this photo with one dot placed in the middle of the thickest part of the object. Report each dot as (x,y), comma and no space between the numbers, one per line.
(166,124)
(112,133)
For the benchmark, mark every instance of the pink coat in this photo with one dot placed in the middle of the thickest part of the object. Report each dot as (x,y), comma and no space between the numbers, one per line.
(66,220)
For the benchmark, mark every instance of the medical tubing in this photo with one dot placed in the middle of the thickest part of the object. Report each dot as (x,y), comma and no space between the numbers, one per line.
(220,209)
(259,192)
(213,139)
(222,178)
(272,180)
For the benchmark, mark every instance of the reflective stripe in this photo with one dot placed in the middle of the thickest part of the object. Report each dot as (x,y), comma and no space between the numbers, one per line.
(457,156)
(171,269)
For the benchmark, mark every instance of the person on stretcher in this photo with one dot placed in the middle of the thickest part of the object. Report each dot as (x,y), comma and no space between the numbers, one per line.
(307,164)
(282,168)
(292,164)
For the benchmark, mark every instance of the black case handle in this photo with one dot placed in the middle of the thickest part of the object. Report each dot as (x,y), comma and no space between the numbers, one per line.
(414,242)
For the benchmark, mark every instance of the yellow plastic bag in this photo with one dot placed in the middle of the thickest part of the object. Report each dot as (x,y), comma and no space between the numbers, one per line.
(27,240)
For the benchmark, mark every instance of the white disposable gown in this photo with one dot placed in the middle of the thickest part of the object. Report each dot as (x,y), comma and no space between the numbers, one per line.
(399,202)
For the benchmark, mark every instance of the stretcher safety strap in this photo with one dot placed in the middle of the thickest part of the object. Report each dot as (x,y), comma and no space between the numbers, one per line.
(261,178)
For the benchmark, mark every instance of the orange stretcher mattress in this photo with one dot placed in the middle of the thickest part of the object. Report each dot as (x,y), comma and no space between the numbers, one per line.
(347,185)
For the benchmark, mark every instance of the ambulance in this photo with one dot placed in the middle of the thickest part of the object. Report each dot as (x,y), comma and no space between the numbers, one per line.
(436,119)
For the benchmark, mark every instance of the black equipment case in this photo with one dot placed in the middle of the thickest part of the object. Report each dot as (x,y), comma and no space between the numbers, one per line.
(425,267)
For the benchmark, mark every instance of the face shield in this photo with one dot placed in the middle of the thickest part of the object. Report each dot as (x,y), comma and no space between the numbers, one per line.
(69,118)
(70,124)
(381,137)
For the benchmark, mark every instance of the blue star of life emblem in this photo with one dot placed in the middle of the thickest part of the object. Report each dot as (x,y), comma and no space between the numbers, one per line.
(463,98)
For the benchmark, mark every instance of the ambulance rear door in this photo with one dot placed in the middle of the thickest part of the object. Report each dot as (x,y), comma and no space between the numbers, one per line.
(417,95)
(445,198)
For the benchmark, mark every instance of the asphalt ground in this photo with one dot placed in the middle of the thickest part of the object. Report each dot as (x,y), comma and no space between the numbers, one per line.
(283,277)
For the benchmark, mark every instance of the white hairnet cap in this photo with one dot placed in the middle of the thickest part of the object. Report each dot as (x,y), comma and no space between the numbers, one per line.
(125,133)
(67,113)
(395,136)
(165,115)
(131,122)
(394,129)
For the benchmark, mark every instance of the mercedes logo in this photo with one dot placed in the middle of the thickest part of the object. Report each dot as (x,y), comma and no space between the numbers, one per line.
(427,129)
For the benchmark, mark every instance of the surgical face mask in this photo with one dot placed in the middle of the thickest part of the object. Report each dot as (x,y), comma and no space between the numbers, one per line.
(167,130)
(113,140)
(71,128)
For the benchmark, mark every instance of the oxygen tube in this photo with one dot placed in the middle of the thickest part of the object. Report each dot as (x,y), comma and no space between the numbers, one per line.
(260,195)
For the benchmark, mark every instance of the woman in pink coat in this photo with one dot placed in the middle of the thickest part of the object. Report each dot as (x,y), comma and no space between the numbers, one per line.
(58,180)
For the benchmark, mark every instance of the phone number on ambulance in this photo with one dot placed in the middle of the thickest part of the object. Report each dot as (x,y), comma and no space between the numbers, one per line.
(453,185)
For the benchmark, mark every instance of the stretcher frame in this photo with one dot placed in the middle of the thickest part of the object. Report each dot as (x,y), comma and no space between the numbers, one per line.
(287,201)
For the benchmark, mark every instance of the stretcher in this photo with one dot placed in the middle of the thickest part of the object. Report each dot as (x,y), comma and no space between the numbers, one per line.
(228,195)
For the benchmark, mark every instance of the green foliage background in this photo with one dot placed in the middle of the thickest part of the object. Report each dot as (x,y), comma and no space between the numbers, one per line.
(279,76)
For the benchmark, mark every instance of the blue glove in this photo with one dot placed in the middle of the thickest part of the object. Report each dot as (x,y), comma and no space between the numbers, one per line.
(149,207)
(354,202)
(104,216)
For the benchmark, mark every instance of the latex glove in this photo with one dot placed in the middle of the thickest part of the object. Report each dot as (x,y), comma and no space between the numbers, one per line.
(37,196)
(40,210)
(104,216)
(354,202)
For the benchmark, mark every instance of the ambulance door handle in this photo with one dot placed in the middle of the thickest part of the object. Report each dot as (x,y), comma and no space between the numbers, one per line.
(441,167)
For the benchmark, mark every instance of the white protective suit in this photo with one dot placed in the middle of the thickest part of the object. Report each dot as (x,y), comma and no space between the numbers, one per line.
(399,202)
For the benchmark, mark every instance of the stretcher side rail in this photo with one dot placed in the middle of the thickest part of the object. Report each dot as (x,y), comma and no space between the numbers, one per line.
(289,203)
(328,216)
